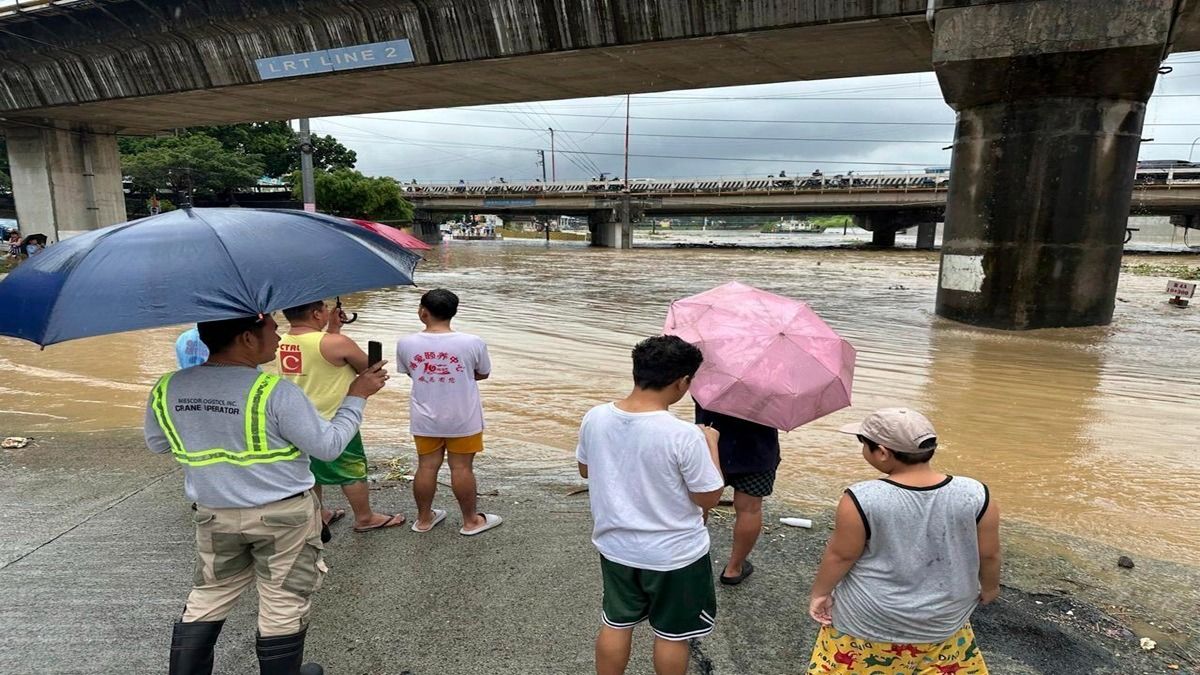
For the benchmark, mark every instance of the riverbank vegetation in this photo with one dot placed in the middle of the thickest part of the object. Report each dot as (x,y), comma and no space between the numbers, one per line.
(1174,271)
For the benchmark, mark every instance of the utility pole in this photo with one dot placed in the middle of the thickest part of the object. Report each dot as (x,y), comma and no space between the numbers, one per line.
(308,189)
(542,161)
(626,142)
(553,159)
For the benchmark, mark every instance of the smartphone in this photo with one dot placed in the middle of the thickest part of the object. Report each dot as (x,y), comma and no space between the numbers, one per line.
(374,352)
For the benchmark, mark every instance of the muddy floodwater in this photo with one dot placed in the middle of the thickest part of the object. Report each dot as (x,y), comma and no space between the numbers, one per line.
(1091,432)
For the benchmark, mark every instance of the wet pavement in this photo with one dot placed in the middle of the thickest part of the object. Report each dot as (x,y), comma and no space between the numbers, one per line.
(96,563)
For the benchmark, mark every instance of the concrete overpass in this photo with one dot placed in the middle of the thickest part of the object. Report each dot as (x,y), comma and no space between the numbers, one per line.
(883,203)
(1050,93)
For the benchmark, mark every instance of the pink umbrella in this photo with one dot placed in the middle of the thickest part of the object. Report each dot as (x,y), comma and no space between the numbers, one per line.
(767,358)
(403,238)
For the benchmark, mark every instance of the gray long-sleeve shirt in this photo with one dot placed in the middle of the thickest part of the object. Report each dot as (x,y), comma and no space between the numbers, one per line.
(208,406)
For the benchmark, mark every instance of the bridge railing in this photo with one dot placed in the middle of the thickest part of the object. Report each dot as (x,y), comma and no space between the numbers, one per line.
(848,182)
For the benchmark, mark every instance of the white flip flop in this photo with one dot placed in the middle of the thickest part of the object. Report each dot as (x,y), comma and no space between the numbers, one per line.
(438,516)
(490,520)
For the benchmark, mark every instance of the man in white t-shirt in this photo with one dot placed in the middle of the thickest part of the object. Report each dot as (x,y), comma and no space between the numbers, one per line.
(651,477)
(446,413)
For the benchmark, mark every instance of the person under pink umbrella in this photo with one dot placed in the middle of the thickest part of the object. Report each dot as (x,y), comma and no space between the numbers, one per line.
(770,363)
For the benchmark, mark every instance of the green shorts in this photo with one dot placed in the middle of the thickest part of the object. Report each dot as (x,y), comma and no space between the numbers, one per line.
(680,604)
(349,467)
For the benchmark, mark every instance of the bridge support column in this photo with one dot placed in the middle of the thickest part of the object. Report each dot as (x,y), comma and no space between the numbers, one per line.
(1051,99)
(65,181)
(611,228)
(926,236)
(883,237)
(427,231)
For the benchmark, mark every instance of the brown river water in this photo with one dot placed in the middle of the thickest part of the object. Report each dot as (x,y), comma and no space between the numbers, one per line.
(1091,432)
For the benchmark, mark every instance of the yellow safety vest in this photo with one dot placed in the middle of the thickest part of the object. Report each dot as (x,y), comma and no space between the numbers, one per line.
(258,450)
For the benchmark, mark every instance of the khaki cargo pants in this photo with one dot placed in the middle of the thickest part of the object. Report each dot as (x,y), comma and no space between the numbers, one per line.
(278,545)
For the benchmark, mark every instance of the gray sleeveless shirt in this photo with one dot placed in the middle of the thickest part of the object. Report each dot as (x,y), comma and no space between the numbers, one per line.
(918,578)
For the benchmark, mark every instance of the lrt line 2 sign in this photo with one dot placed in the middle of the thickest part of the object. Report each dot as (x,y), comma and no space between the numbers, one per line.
(341,58)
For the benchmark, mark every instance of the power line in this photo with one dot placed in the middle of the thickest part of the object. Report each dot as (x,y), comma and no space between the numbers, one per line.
(656,156)
(651,135)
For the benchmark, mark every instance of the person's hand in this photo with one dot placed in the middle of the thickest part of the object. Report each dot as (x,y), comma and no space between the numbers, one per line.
(336,318)
(987,595)
(710,433)
(369,381)
(820,608)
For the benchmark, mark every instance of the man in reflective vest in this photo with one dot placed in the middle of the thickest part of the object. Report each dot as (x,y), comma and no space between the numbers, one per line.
(244,439)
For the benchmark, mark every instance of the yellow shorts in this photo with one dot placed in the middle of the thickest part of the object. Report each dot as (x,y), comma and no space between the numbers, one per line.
(464,445)
(839,653)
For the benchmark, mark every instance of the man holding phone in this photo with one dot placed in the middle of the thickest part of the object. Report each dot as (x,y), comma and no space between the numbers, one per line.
(322,362)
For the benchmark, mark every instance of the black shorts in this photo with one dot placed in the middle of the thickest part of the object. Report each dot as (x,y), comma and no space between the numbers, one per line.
(760,484)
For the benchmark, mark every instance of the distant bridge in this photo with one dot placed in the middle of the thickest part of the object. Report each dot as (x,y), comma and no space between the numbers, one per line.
(884,203)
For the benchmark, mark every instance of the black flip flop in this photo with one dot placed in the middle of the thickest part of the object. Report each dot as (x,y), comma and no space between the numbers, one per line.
(747,570)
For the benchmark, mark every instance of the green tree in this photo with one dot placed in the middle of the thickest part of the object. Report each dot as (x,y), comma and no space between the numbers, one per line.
(279,146)
(273,142)
(350,194)
(192,163)
(329,154)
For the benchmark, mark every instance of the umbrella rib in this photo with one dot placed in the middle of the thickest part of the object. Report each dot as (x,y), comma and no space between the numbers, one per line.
(232,262)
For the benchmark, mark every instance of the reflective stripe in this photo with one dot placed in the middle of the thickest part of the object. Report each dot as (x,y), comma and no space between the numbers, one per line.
(159,398)
(258,450)
(256,412)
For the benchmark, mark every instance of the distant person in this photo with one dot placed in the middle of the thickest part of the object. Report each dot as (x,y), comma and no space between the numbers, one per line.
(190,349)
(904,601)
(323,362)
(446,411)
(32,248)
(749,458)
(651,479)
(14,244)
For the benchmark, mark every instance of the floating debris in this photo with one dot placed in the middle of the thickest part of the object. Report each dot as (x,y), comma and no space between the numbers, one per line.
(15,442)
(1148,644)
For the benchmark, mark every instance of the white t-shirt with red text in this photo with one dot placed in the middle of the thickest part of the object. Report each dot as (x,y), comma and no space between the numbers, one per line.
(445,397)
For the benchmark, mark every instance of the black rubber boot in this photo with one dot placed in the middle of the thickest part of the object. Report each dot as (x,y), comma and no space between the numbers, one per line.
(283,654)
(192,647)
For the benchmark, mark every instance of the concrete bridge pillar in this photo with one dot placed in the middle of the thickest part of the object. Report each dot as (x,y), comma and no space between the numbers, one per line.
(1051,97)
(65,181)
(884,225)
(425,228)
(926,235)
(612,228)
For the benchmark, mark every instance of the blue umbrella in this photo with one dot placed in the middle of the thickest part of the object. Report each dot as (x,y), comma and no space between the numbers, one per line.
(193,265)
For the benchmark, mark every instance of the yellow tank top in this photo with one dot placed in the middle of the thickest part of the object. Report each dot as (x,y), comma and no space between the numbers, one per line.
(299,360)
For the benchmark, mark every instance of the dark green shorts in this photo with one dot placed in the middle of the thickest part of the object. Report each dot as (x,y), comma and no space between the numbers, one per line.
(349,467)
(681,604)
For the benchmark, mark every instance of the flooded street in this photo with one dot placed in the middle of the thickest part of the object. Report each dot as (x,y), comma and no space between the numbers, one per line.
(1085,431)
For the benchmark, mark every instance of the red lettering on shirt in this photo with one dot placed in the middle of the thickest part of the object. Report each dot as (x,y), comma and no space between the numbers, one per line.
(291,360)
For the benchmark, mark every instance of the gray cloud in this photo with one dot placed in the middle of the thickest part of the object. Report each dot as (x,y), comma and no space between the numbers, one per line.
(405,146)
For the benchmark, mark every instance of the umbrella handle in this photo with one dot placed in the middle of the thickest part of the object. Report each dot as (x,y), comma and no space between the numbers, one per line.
(353,315)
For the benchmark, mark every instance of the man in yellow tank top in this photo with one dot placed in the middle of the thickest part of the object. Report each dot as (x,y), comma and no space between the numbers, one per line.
(322,362)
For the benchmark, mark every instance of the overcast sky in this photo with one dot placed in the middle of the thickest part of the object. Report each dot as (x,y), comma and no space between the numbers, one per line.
(865,124)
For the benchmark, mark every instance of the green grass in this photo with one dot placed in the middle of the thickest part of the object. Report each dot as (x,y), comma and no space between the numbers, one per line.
(1181,272)
(554,235)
